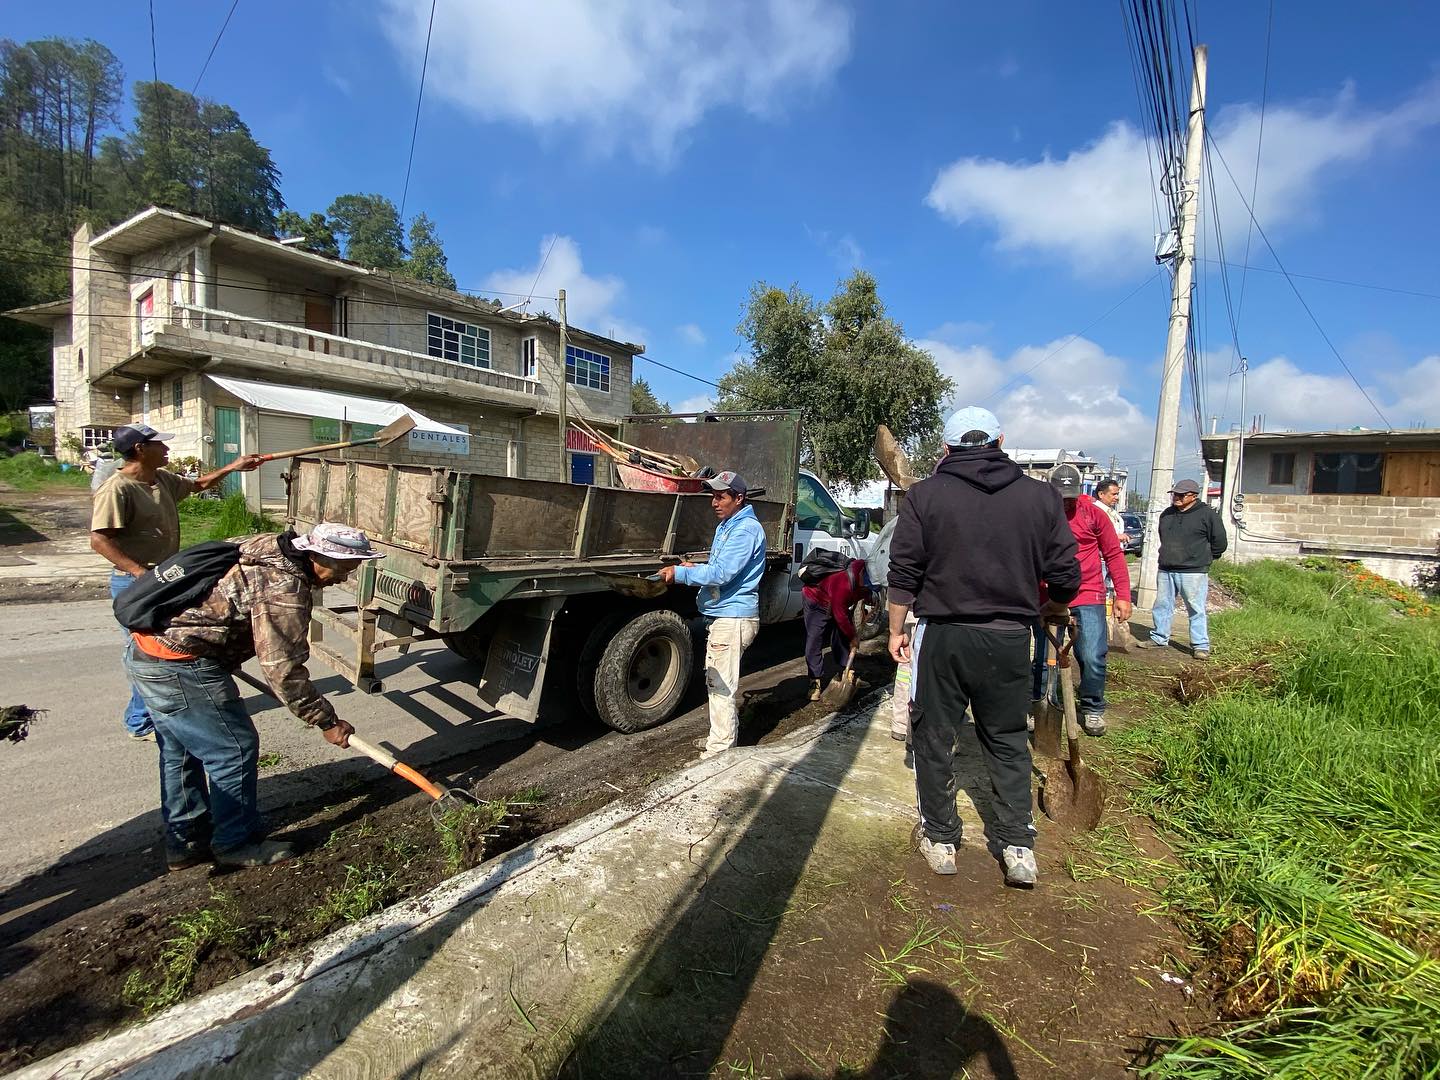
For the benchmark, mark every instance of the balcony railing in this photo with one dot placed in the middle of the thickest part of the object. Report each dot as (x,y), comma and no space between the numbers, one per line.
(190,318)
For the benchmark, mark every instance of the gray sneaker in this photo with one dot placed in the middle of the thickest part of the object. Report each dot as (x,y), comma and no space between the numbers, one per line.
(941,857)
(1093,723)
(262,853)
(1151,643)
(1202,654)
(1020,869)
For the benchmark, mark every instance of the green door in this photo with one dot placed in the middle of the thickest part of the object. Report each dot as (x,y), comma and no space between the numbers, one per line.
(227,444)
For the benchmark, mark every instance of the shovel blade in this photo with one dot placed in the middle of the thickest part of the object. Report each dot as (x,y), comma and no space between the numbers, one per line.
(396,429)
(840,692)
(1048,737)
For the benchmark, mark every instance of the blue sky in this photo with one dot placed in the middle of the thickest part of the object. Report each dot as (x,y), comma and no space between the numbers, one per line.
(980,160)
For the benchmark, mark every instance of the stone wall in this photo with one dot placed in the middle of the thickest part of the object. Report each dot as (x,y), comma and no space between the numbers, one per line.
(1381,522)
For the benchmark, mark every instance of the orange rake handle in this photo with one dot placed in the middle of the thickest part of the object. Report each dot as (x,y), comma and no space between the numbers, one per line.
(399,768)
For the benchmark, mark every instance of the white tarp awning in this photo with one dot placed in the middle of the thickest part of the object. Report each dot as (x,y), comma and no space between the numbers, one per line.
(327,404)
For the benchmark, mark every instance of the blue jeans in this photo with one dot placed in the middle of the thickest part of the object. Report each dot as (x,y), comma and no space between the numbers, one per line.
(1092,651)
(137,717)
(1192,589)
(204,733)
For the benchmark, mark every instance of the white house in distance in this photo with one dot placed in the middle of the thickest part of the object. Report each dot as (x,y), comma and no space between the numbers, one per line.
(238,343)
(1038,463)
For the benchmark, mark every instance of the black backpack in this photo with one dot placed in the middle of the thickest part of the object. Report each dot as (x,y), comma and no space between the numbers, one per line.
(180,582)
(820,563)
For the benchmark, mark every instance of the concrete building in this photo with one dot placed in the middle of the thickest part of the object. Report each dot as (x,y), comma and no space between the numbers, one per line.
(1373,496)
(1038,463)
(238,344)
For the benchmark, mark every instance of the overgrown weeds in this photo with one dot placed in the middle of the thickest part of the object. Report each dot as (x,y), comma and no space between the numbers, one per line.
(197,935)
(465,828)
(219,519)
(1307,814)
(30,472)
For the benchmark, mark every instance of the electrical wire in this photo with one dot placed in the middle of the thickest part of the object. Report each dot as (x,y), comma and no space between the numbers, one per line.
(1259,143)
(213,46)
(154,54)
(1295,288)
(419,99)
(1337,281)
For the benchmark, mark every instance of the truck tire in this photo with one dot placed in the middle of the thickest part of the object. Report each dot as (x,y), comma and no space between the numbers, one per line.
(877,620)
(641,671)
(472,643)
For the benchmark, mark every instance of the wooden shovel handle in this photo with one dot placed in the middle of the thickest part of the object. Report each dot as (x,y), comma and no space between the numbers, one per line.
(399,768)
(282,455)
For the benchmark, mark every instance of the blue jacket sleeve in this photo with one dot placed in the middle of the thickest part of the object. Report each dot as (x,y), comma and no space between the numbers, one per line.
(728,560)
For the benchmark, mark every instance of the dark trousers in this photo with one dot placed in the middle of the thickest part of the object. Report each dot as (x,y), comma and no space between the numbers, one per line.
(820,630)
(987,670)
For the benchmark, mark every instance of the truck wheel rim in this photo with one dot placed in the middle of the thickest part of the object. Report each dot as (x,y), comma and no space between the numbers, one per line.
(653,671)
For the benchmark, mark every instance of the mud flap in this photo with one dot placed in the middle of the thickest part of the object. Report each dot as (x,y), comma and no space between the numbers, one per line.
(519,653)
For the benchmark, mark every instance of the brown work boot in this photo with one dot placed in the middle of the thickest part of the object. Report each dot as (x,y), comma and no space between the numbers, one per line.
(814,689)
(262,853)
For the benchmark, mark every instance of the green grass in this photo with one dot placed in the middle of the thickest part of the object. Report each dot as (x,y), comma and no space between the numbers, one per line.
(1306,811)
(30,472)
(170,978)
(464,828)
(219,519)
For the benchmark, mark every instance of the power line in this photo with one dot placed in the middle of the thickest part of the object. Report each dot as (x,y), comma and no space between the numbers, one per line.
(1295,288)
(419,99)
(213,46)
(1259,143)
(154,57)
(1334,281)
(1072,338)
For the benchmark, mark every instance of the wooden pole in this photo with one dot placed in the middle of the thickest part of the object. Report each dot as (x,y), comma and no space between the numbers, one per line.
(564,367)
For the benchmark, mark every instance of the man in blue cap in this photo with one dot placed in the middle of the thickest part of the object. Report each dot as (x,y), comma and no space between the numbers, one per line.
(971,547)
(729,600)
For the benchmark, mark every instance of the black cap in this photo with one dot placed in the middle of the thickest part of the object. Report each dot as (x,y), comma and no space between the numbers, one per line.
(1066,480)
(132,435)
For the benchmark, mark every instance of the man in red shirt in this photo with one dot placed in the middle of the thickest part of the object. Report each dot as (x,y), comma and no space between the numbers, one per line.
(1097,544)
(827,617)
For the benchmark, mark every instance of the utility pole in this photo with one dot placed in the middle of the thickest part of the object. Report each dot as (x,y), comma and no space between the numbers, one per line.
(1167,419)
(564,367)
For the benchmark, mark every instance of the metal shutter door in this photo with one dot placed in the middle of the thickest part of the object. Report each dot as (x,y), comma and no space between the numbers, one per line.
(280,432)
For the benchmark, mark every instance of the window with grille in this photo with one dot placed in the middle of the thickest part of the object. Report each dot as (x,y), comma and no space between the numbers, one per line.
(529,357)
(1282,469)
(96,438)
(586,368)
(459,342)
(178,390)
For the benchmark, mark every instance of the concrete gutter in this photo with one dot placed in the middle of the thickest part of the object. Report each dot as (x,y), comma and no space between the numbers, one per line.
(555,933)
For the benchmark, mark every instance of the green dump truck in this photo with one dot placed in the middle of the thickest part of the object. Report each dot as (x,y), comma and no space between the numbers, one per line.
(511,573)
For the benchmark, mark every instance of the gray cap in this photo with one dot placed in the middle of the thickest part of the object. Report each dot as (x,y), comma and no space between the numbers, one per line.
(1185,487)
(1066,480)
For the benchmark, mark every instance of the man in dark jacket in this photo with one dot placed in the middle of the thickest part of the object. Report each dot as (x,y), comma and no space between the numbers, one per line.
(971,548)
(1192,536)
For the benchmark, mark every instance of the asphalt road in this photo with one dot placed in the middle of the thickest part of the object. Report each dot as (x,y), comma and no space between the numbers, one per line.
(81,787)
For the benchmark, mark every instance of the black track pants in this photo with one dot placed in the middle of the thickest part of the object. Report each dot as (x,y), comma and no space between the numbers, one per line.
(988,670)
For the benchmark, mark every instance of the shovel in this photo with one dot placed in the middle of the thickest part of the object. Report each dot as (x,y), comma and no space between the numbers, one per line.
(388,760)
(1071,793)
(397,429)
(839,693)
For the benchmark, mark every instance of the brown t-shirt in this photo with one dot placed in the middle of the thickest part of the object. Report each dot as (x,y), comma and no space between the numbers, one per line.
(144,514)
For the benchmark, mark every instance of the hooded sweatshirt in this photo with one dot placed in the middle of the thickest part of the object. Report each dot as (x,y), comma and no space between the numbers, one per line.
(260,608)
(974,542)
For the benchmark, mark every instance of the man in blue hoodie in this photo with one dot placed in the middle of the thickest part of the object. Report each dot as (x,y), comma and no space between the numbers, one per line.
(729,600)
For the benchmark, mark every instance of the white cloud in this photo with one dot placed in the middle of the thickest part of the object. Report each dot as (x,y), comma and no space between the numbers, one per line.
(637,73)
(589,301)
(691,334)
(1291,398)
(698,403)
(1093,208)
(843,249)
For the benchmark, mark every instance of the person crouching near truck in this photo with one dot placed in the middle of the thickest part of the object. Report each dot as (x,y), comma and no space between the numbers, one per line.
(828,604)
(209,749)
(729,601)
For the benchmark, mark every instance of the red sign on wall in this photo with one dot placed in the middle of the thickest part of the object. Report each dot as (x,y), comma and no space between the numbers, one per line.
(579,441)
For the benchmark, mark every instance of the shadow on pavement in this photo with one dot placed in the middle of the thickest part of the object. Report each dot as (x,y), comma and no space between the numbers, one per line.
(15,531)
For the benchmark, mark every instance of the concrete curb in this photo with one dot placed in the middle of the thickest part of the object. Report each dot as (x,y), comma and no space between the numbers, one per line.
(257,990)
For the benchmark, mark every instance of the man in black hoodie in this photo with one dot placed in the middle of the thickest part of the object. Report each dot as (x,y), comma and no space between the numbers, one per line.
(971,547)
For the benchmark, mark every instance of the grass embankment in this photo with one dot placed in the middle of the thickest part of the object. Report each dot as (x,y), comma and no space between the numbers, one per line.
(219,519)
(31,472)
(1306,803)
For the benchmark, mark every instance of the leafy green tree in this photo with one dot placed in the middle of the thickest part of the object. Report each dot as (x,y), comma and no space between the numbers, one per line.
(319,236)
(643,401)
(427,260)
(370,227)
(846,366)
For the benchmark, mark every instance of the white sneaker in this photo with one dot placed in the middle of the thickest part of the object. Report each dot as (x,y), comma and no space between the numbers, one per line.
(1020,869)
(941,857)
(1093,723)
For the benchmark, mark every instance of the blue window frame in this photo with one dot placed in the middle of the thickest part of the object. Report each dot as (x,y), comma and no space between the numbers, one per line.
(586,368)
